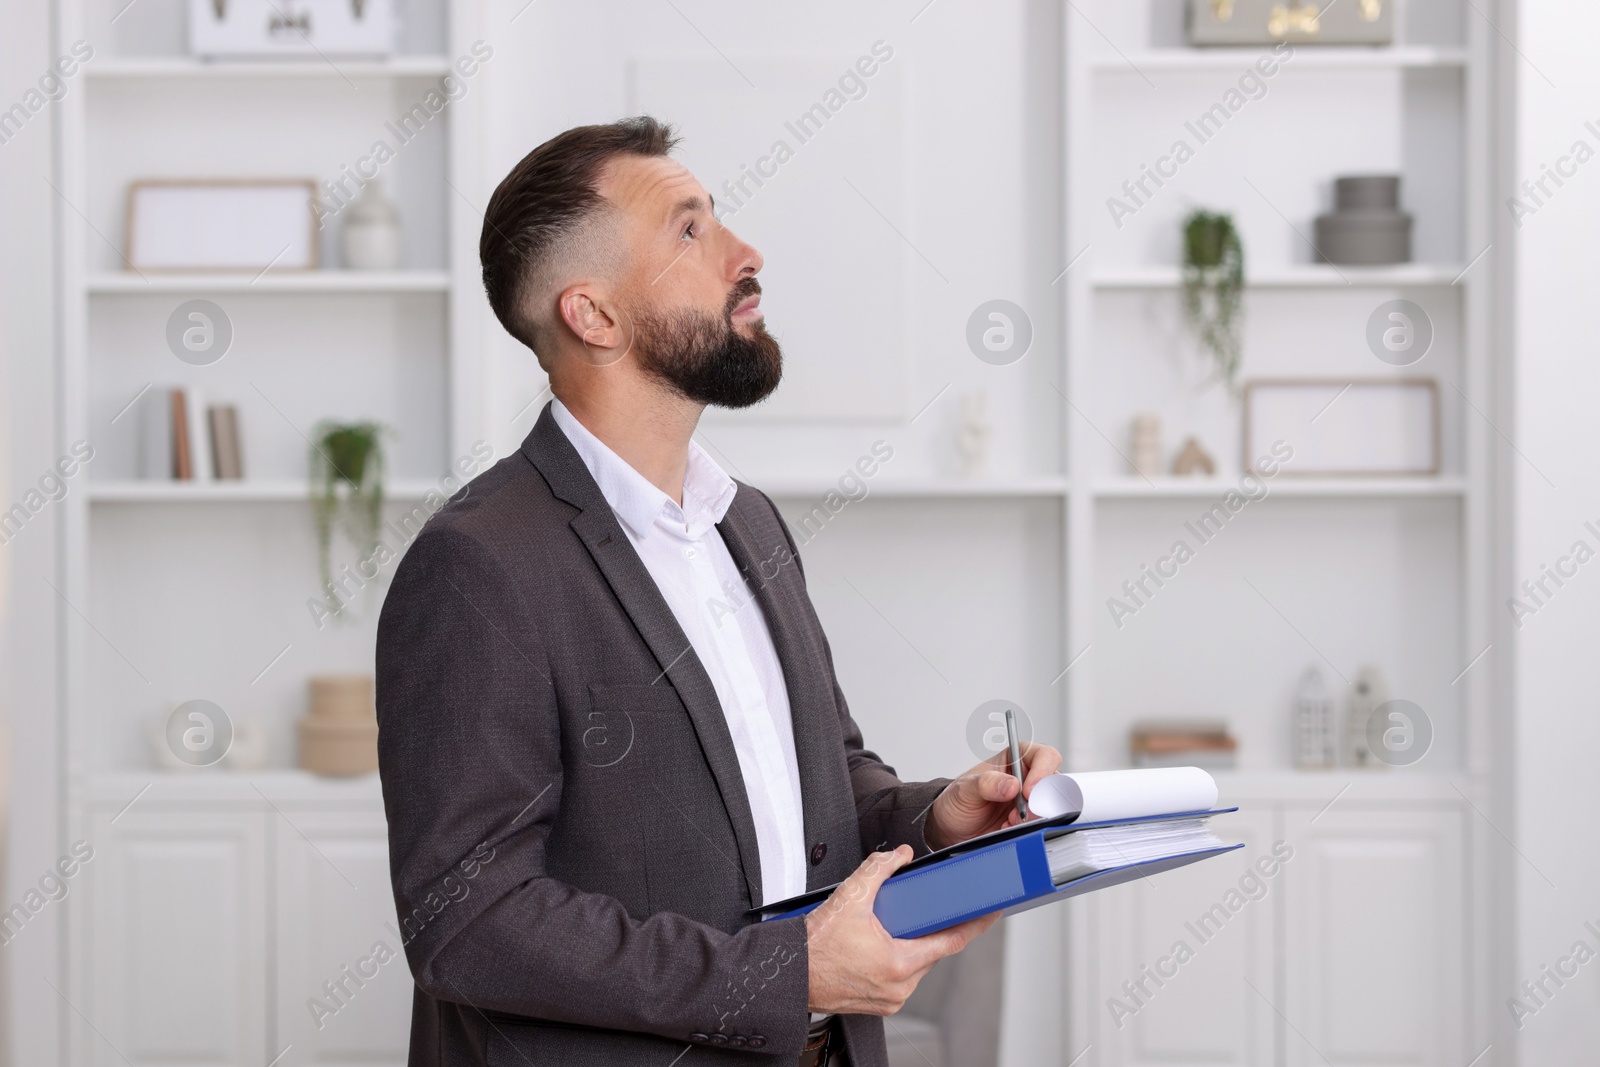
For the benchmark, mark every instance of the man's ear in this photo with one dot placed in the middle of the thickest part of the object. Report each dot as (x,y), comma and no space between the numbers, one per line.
(595,320)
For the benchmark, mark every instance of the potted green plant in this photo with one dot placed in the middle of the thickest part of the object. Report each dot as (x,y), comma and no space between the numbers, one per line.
(347,455)
(1213,289)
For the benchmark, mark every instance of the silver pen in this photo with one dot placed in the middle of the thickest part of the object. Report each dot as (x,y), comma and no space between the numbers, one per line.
(1016,760)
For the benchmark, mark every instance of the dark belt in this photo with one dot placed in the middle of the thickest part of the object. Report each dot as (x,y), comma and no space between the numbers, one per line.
(825,1040)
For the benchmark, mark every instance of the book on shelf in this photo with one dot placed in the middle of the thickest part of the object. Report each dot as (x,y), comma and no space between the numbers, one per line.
(183,439)
(1183,743)
(199,449)
(1085,831)
(182,451)
(227,458)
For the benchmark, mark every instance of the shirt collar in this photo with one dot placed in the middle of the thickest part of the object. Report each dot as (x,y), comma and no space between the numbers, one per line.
(708,492)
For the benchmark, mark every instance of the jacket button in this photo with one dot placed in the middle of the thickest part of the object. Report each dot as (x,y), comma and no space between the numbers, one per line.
(719,1039)
(697,1036)
(737,1040)
(818,851)
(756,1041)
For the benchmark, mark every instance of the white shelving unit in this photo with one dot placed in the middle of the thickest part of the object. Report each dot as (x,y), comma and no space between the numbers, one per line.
(258,491)
(1204,488)
(1398,57)
(163,587)
(161,67)
(311,281)
(1296,276)
(1327,572)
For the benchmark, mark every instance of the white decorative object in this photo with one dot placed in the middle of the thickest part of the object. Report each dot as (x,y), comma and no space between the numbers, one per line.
(973,433)
(249,749)
(1145,445)
(1367,691)
(160,750)
(1316,732)
(372,230)
(225,225)
(312,28)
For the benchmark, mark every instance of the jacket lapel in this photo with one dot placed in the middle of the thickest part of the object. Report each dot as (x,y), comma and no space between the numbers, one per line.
(596,525)
(817,737)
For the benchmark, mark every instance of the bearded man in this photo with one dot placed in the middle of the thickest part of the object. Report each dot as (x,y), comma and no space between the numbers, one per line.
(592,771)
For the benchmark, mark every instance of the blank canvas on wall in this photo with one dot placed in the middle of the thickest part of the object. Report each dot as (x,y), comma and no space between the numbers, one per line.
(805,159)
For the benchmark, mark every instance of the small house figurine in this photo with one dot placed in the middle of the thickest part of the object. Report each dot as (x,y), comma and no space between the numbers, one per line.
(1192,459)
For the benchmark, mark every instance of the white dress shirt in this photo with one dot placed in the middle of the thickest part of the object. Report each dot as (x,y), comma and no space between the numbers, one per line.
(683,550)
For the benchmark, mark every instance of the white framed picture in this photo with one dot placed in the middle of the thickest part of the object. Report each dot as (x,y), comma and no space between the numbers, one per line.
(256,28)
(1342,427)
(222,225)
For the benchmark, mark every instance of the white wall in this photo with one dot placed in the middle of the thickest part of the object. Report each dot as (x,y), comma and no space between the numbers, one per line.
(1557,489)
(29,609)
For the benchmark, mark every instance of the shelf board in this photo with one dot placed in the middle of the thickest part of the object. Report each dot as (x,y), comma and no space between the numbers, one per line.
(1194,488)
(188,67)
(1307,57)
(217,785)
(225,492)
(133,491)
(309,281)
(944,488)
(1316,788)
(288,786)
(1294,276)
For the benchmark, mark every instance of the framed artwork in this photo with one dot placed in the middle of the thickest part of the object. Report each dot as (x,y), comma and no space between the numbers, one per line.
(1342,427)
(250,29)
(238,224)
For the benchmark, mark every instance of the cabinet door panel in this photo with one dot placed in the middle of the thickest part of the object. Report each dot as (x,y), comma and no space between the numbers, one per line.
(177,941)
(1373,934)
(344,991)
(1188,944)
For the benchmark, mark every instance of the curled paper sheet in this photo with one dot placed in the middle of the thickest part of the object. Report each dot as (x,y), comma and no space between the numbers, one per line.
(1101,795)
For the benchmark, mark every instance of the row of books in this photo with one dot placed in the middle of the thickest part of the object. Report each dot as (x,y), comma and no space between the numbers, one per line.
(1183,743)
(182,438)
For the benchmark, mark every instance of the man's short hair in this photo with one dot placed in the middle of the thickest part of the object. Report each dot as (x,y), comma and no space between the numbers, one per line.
(538,217)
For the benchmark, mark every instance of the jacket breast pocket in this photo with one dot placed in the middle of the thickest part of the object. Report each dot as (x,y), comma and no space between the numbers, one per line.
(623,718)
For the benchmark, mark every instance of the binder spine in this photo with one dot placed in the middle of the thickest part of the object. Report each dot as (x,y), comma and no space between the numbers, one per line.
(964,887)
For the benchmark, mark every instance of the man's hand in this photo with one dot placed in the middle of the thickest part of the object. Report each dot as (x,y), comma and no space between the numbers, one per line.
(855,966)
(985,798)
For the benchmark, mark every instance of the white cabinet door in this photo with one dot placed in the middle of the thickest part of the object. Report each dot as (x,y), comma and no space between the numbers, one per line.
(1179,952)
(177,940)
(1373,936)
(343,988)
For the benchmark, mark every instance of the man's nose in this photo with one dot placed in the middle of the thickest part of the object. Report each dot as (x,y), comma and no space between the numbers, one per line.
(745,261)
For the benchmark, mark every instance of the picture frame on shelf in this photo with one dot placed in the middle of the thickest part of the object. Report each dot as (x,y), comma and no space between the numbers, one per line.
(223,225)
(252,29)
(1346,427)
(1225,23)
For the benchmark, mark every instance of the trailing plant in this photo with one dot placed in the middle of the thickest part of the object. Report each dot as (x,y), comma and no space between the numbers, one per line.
(348,455)
(1213,290)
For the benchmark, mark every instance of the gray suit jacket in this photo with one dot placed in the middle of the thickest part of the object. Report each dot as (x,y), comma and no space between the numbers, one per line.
(572,851)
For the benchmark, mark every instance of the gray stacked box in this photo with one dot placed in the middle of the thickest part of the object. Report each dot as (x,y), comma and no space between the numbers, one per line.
(1367,226)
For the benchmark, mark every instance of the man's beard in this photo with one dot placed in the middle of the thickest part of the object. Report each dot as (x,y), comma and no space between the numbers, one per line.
(702,357)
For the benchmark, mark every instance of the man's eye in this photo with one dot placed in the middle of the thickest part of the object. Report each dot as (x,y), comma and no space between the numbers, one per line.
(688,231)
